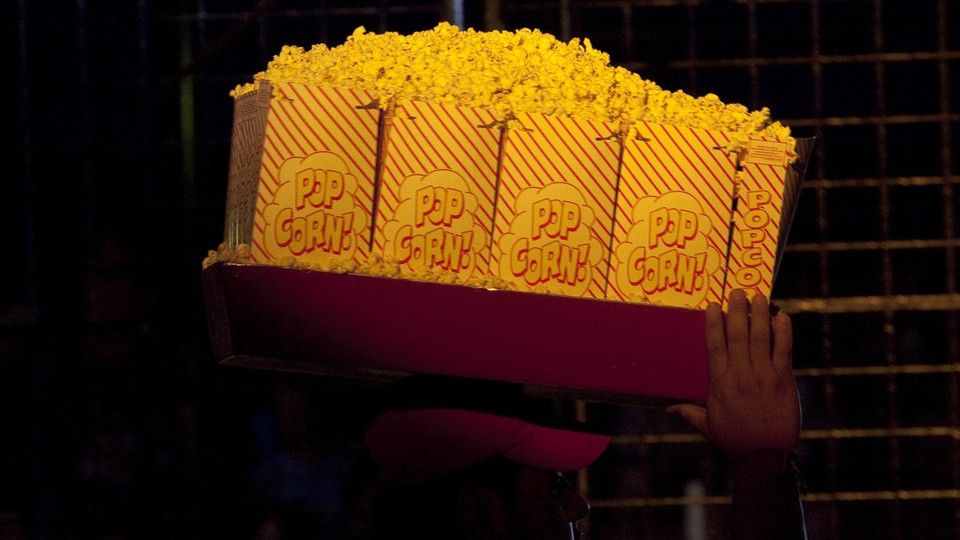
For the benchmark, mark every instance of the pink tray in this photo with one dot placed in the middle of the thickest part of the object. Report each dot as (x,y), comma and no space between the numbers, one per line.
(380,328)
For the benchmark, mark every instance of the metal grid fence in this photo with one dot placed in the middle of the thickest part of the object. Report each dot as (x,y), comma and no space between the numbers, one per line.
(119,178)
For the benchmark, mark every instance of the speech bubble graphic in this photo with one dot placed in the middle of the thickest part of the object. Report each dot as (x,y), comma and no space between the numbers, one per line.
(314,214)
(434,225)
(549,245)
(666,257)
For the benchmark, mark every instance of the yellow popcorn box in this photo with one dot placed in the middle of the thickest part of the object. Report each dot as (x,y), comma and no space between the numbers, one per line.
(673,217)
(555,205)
(767,191)
(694,222)
(314,161)
(437,190)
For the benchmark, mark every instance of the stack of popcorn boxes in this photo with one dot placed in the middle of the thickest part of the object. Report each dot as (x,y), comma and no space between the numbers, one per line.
(521,175)
(328,178)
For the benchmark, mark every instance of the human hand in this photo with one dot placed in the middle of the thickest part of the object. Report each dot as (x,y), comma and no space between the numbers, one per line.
(752,402)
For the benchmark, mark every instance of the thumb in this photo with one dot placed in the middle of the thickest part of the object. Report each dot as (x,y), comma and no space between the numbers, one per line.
(695,415)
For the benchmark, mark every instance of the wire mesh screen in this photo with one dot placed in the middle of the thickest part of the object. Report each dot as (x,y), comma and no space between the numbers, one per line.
(118,424)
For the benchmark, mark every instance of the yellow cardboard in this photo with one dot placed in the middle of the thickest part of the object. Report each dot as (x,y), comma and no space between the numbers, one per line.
(437,190)
(673,217)
(316,176)
(757,220)
(555,205)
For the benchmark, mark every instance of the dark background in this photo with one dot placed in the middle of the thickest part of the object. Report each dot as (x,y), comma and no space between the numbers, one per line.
(115,421)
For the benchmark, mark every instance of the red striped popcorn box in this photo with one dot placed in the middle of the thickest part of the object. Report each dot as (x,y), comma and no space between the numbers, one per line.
(673,217)
(766,192)
(437,190)
(316,163)
(555,205)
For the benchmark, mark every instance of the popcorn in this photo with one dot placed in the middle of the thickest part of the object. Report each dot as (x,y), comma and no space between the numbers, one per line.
(223,253)
(526,71)
(375,265)
(480,131)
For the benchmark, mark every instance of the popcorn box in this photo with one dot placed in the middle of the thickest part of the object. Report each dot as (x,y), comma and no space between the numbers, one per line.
(555,205)
(311,152)
(766,195)
(437,190)
(766,186)
(673,217)
(694,222)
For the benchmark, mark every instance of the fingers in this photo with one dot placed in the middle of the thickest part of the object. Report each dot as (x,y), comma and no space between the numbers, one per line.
(759,331)
(738,329)
(694,415)
(748,336)
(782,343)
(716,341)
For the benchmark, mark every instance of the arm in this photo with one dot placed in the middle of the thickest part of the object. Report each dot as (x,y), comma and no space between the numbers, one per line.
(752,415)
(766,497)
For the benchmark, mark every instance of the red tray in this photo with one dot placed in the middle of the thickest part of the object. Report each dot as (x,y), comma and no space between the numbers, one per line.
(381,328)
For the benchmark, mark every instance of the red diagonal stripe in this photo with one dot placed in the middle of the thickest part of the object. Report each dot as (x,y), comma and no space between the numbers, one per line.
(263,254)
(695,151)
(299,130)
(714,142)
(691,183)
(399,164)
(445,154)
(634,170)
(288,131)
(404,141)
(527,150)
(330,132)
(603,144)
(269,169)
(404,144)
(358,147)
(273,138)
(483,141)
(469,140)
(334,103)
(581,140)
(654,174)
(363,98)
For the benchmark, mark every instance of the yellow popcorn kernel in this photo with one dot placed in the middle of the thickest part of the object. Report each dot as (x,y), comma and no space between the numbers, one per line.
(509,73)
